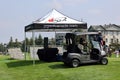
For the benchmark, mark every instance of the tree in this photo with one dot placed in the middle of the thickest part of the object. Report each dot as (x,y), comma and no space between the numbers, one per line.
(27,45)
(36,40)
(31,41)
(39,40)
(16,43)
(27,41)
(1,48)
(11,44)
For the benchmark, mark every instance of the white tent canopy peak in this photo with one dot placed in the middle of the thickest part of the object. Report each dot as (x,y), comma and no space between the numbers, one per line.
(56,17)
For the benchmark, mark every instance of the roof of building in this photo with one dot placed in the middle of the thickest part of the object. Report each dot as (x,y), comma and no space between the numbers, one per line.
(109,27)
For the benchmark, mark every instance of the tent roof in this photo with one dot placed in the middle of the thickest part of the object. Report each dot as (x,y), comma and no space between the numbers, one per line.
(56,17)
(55,20)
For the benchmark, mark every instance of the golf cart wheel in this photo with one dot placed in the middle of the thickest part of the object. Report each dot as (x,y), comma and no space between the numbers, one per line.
(75,63)
(104,61)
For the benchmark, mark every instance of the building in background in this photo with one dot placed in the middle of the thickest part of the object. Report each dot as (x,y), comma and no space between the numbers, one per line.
(110,32)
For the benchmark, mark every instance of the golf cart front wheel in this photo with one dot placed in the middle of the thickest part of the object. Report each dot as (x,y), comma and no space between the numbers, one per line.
(104,61)
(75,63)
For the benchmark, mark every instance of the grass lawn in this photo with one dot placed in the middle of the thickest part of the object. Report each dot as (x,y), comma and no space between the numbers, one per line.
(24,70)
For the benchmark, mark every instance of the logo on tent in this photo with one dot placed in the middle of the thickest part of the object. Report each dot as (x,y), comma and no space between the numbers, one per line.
(59,19)
(51,20)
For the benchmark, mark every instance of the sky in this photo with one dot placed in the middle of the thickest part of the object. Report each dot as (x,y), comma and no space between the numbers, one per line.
(16,14)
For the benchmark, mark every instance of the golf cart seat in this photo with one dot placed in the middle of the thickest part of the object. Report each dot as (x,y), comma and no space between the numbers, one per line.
(73,49)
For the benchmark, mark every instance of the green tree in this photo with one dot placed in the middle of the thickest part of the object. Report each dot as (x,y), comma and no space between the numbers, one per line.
(36,40)
(27,42)
(31,41)
(1,47)
(10,44)
(39,40)
(16,43)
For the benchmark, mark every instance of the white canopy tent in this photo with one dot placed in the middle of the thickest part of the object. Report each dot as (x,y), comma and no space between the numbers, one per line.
(54,21)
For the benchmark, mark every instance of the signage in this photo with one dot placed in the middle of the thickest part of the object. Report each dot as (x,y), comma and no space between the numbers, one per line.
(59,19)
(55,26)
(47,26)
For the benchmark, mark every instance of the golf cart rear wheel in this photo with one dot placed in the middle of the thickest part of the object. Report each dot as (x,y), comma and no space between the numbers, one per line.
(104,61)
(75,63)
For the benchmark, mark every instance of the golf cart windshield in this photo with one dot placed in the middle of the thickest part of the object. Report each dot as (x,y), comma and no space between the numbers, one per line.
(96,45)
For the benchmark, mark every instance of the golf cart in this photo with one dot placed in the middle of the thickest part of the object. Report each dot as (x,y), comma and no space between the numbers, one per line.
(82,48)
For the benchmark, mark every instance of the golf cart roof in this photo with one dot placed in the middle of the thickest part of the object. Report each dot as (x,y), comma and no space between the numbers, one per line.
(86,33)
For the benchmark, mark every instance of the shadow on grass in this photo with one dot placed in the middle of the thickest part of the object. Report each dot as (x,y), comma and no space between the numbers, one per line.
(90,64)
(22,63)
(58,66)
(10,59)
(62,66)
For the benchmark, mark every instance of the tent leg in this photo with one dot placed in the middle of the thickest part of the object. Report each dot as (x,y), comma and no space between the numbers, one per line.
(25,47)
(33,37)
(55,39)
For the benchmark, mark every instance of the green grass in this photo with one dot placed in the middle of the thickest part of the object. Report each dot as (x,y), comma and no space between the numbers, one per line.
(25,70)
